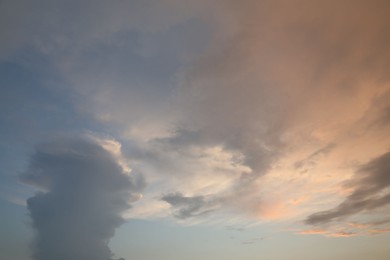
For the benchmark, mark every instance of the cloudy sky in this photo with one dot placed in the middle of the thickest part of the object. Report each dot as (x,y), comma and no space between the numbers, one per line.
(177,129)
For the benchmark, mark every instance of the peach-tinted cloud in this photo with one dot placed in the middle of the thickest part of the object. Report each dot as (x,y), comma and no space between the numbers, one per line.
(342,234)
(274,211)
(359,225)
(379,231)
(313,232)
(268,115)
(282,79)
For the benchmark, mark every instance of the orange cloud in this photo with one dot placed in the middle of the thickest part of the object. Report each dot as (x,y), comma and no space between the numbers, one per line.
(342,234)
(359,225)
(317,231)
(378,231)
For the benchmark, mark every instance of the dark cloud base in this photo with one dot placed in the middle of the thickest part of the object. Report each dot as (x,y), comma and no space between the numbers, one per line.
(370,192)
(187,207)
(85,192)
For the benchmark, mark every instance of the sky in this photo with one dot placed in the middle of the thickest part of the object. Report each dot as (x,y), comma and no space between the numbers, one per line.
(177,129)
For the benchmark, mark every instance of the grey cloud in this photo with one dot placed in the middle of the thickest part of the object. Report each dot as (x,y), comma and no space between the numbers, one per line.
(182,137)
(370,192)
(187,207)
(48,24)
(101,51)
(84,192)
(137,181)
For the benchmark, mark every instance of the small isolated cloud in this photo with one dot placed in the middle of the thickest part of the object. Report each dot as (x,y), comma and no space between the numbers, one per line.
(317,231)
(84,193)
(370,191)
(187,207)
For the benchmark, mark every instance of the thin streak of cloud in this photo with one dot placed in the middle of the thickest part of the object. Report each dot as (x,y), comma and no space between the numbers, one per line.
(370,192)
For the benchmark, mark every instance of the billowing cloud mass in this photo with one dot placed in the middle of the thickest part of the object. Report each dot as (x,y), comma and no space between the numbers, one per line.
(84,193)
(291,86)
(231,110)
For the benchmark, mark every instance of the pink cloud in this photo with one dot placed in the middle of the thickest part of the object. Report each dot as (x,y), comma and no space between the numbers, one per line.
(317,231)
(379,231)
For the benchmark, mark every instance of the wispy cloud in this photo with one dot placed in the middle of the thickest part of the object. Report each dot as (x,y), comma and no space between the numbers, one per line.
(370,191)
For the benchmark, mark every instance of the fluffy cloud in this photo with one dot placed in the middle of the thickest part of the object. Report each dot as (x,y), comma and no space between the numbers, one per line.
(268,100)
(84,194)
(282,80)
(291,89)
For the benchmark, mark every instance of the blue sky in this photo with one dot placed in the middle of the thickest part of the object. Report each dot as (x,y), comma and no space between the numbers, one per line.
(194,130)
